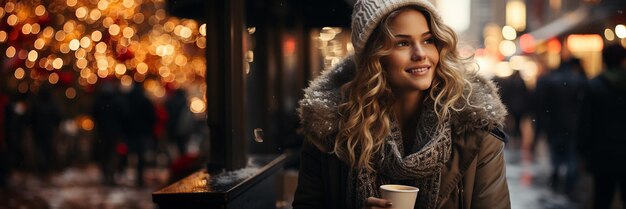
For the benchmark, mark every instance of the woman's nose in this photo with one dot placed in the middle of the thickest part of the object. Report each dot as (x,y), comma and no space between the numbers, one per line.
(417,53)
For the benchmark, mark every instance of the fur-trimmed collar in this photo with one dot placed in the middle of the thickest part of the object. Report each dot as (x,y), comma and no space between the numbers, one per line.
(319,115)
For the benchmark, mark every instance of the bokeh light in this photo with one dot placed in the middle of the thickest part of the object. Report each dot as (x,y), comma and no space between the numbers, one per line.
(620,31)
(74,44)
(609,35)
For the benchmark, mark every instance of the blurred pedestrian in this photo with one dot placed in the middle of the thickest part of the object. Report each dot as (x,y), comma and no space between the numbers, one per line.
(535,104)
(108,111)
(45,119)
(140,123)
(515,96)
(180,122)
(602,139)
(562,91)
(16,120)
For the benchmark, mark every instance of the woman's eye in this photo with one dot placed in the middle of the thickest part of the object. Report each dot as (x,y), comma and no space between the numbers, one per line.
(402,43)
(429,41)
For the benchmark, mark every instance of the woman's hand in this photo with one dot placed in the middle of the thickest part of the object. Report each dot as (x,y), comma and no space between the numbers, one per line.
(373,203)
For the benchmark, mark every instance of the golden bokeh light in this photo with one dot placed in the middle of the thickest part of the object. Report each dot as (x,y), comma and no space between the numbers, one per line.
(87,124)
(160,14)
(9,7)
(27,28)
(85,72)
(92,79)
(43,62)
(103,4)
(164,71)
(70,93)
(102,64)
(10,52)
(81,63)
(139,77)
(64,48)
(57,63)
(126,80)
(201,42)
(103,73)
(19,73)
(159,92)
(74,44)
(71,3)
(142,68)
(3,36)
(107,22)
(507,48)
(68,27)
(101,47)
(169,26)
(39,43)
(53,78)
(185,32)
(85,42)
(96,36)
(120,69)
(128,3)
(509,33)
(620,31)
(22,54)
(32,55)
(35,28)
(29,64)
(138,18)
(95,14)
(48,32)
(128,32)
(12,20)
(114,29)
(40,10)
(202,29)
(180,60)
(197,105)
(609,35)
(80,53)
(59,36)
(81,12)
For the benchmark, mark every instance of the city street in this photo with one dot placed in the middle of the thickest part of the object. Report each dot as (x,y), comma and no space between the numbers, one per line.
(529,182)
(76,188)
(528,178)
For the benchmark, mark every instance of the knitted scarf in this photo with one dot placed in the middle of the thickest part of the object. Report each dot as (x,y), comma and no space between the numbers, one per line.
(422,168)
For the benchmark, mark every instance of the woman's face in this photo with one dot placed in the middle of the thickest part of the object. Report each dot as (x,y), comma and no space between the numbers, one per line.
(414,56)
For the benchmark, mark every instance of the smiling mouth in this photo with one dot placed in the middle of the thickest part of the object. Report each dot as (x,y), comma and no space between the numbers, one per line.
(420,70)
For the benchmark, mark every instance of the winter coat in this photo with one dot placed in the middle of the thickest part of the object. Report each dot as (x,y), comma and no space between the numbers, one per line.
(474,177)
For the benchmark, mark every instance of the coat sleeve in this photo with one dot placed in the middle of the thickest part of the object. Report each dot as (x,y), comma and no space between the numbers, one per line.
(309,193)
(490,188)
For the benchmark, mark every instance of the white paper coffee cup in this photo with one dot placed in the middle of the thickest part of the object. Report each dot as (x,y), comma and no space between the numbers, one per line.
(401,196)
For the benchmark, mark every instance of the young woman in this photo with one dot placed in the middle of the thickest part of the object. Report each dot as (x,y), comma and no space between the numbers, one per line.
(405,109)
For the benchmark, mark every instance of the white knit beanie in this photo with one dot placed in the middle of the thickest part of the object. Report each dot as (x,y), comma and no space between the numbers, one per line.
(366,15)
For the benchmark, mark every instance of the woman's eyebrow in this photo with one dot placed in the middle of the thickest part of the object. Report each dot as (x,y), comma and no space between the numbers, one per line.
(427,33)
